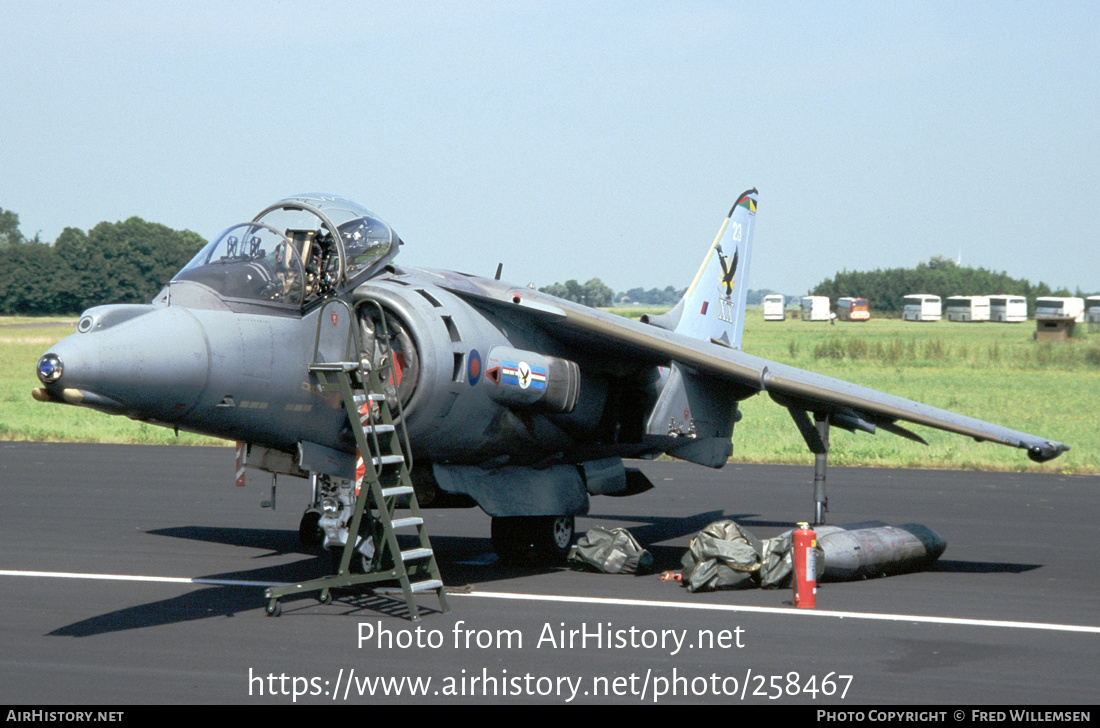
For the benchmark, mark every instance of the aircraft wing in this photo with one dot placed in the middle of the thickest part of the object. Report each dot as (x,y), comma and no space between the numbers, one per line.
(849,406)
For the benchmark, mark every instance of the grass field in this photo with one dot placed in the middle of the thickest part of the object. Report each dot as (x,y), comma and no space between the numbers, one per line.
(994,372)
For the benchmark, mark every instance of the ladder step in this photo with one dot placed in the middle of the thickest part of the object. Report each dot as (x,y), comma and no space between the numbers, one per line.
(397,490)
(426,585)
(381,429)
(388,460)
(406,522)
(334,366)
(414,554)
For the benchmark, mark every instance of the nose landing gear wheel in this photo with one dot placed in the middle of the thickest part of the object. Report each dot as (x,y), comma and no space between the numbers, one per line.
(309,532)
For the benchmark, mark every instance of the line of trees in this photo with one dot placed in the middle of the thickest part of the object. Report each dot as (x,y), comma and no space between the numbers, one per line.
(120,262)
(595,293)
(130,261)
(667,296)
(940,276)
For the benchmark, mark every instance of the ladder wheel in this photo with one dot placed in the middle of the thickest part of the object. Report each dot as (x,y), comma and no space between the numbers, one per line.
(273,608)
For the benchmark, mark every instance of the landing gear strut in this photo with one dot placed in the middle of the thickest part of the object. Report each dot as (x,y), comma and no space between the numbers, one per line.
(816,435)
(821,502)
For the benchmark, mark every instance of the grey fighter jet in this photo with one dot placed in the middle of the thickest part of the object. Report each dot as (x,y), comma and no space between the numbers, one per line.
(513,400)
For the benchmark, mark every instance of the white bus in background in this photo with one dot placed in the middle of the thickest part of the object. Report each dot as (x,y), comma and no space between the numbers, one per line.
(920,307)
(1007,309)
(853,309)
(815,308)
(773,307)
(1092,309)
(967,308)
(1058,307)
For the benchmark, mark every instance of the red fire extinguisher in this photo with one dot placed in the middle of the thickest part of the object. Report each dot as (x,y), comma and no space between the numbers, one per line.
(804,544)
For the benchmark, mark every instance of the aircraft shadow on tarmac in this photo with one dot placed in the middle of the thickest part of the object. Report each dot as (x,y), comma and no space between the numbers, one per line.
(464,560)
(227,600)
(277,543)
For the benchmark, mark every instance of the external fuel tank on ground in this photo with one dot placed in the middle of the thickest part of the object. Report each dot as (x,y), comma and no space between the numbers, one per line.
(873,549)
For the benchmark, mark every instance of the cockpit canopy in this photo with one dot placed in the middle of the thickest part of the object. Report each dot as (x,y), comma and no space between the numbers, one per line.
(296,251)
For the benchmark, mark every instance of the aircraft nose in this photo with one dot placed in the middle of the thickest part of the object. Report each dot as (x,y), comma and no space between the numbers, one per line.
(147,362)
(49,368)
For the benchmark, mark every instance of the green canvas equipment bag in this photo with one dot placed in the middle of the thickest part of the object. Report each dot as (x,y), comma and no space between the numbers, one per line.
(614,551)
(726,556)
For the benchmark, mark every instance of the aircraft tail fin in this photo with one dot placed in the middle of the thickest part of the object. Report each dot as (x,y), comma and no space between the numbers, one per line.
(714,305)
(696,411)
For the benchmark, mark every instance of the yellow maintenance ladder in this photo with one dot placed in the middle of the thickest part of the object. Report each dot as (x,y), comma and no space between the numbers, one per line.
(386,461)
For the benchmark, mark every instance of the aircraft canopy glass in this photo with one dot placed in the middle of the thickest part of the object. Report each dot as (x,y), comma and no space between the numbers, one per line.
(250,261)
(288,255)
(363,239)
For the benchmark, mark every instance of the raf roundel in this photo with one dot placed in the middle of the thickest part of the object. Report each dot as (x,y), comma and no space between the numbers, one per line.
(473,370)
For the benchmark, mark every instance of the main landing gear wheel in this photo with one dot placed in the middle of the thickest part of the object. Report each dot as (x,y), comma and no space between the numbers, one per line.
(543,539)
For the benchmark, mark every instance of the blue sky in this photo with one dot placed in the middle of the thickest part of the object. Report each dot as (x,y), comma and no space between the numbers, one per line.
(576,140)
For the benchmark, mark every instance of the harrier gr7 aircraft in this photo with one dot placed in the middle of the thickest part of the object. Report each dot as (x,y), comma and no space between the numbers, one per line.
(503,397)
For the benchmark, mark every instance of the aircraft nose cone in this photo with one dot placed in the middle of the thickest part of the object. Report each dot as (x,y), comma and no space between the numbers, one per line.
(49,369)
(151,363)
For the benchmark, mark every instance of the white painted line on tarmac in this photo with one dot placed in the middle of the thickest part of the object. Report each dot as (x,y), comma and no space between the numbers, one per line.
(789,611)
(128,577)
